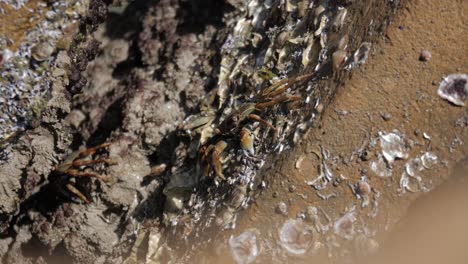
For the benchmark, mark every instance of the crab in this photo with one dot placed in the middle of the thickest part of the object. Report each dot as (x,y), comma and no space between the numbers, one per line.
(210,158)
(270,96)
(210,153)
(73,167)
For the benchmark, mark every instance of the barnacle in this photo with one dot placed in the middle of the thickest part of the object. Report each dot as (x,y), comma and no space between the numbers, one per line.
(244,248)
(454,88)
(296,237)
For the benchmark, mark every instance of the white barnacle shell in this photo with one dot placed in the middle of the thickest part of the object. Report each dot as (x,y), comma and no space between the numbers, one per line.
(361,54)
(308,52)
(454,88)
(339,19)
(393,146)
(296,237)
(344,226)
(242,32)
(244,248)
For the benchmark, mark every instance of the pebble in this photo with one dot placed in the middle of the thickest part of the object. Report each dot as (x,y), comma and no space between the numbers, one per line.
(425,55)
(282,209)
(386,116)
(292,188)
(362,188)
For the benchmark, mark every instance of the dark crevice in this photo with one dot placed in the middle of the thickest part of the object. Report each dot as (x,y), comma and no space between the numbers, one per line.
(110,121)
(197,14)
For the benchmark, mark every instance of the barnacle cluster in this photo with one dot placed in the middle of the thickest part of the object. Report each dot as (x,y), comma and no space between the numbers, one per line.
(265,99)
(26,76)
(16,4)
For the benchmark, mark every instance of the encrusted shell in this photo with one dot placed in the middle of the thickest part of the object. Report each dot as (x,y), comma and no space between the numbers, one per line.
(42,51)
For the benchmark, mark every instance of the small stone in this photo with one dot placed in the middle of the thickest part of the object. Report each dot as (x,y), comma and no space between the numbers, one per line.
(275,195)
(363,171)
(319,108)
(282,209)
(434,83)
(299,162)
(292,188)
(362,188)
(417,132)
(425,55)
(337,182)
(386,116)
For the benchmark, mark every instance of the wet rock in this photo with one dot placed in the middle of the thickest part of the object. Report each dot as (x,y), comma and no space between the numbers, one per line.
(10,182)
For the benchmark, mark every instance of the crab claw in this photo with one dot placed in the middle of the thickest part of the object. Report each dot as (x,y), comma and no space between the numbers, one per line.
(246,140)
(216,159)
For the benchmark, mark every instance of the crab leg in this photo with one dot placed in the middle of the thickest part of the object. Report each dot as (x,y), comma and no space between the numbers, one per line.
(277,100)
(91,151)
(76,192)
(216,159)
(77,173)
(78,163)
(259,119)
(274,87)
(282,85)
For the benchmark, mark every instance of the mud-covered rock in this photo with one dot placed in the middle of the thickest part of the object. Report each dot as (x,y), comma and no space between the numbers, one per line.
(132,83)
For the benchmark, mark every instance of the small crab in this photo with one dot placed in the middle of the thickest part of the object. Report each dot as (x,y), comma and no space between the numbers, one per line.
(273,95)
(73,165)
(277,93)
